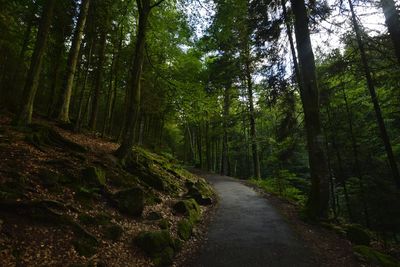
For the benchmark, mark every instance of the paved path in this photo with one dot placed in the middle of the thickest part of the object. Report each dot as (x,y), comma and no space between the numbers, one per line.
(247,231)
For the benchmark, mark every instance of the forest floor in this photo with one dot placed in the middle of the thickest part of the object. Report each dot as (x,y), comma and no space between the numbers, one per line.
(52,214)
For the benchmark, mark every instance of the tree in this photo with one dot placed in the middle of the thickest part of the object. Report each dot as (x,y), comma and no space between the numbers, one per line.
(317,205)
(31,84)
(132,112)
(374,98)
(392,19)
(63,115)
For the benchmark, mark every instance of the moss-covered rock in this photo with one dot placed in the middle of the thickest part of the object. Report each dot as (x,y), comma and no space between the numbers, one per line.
(158,245)
(85,246)
(164,224)
(11,190)
(185,228)
(49,178)
(130,201)
(154,216)
(357,235)
(94,176)
(371,255)
(189,208)
(113,232)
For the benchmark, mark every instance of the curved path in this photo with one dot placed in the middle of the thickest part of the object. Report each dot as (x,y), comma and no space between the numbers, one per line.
(247,231)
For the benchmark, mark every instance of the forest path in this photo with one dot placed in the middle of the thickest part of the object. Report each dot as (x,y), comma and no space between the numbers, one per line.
(248,231)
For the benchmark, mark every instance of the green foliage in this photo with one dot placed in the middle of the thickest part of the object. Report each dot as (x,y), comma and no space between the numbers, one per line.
(371,255)
(283,184)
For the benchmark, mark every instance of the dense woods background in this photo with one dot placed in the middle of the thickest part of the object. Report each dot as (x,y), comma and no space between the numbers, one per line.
(230,86)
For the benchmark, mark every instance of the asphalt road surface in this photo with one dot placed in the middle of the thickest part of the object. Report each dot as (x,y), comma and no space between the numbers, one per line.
(248,232)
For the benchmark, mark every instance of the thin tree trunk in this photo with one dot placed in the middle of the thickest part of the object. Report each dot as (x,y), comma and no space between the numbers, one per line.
(116,77)
(110,96)
(356,159)
(55,78)
(253,132)
(82,93)
(392,19)
(291,43)
(32,80)
(374,98)
(17,71)
(98,82)
(72,62)
(318,201)
(208,146)
(340,166)
(225,147)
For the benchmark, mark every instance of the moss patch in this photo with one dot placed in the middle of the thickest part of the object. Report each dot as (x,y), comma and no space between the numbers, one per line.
(370,255)
(94,176)
(158,245)
(85,246)
(185,228)
(357,235)
(130,201)
(200,193)
(189,208)
(113,232)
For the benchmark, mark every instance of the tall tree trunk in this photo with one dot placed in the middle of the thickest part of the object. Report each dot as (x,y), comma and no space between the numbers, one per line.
(18,71)
(83,89)
(208,146)
(318,200)
(252,119)
(116,78)
(136,72)
(31,84)
(72,62)
(56,74)
(392,19)
(98,82)
(291,43)
(110,96)
(225,148)
(374,98)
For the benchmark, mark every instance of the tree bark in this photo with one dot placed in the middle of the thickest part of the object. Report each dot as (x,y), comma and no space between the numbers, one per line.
(392,19)
(253,132)
(225,147)
(318,200)
(63,115)
(98,82)
(31,84)
(374,98)
(83,89)
(136,73)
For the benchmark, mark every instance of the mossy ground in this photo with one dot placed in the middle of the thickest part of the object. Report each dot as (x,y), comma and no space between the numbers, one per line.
(91,188)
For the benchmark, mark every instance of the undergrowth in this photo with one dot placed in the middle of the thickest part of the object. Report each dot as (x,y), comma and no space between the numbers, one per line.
(284,184)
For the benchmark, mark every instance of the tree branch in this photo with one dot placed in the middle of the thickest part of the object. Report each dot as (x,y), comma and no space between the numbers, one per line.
(156,4)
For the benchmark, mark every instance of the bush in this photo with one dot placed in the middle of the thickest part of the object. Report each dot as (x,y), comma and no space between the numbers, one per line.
(283,184)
